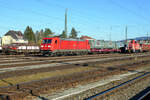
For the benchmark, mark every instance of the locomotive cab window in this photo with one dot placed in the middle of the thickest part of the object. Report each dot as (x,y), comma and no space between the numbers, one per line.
(44,41)
(47,41)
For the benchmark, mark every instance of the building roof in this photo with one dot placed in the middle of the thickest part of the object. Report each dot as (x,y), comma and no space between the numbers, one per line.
(86,38)
(15,34)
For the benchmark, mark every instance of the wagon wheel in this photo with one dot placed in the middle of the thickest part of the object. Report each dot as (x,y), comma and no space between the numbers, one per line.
(53,55)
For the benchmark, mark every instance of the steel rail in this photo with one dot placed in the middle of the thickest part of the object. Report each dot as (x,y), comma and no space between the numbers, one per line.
(145,95)
(116,87)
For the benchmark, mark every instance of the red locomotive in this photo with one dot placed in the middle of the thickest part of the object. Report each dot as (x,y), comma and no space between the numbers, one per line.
(136,46)
(59,46)
(145,45)
(133,46)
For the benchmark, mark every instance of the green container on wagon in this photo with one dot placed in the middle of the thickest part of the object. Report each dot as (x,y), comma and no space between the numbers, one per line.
(101,44)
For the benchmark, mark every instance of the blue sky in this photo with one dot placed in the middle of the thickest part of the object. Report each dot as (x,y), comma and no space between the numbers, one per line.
(95,18)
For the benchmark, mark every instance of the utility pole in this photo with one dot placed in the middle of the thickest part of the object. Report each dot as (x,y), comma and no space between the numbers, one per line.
(66,21)
(147,36)
(126,34)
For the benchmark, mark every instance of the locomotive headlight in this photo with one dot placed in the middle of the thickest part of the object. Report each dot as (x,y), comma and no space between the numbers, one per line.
(49,46)
(42,46)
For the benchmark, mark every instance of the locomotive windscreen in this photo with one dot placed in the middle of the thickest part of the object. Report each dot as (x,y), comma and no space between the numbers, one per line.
(47,41)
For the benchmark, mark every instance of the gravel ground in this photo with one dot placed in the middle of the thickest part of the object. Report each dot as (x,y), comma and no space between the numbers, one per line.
(72,94)
(2,70)
(128,92)
(101,65)
(26,67)
(24,62)
(82,92)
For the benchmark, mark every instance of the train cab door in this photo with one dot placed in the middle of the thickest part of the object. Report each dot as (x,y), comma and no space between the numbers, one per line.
(56,44)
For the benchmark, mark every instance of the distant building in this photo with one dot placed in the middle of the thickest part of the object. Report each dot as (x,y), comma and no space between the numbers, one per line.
(13,37)
(86,38)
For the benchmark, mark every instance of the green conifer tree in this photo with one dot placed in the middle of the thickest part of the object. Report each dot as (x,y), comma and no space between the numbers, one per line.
(29,34)
(73,33)
(48,32)
(63,35)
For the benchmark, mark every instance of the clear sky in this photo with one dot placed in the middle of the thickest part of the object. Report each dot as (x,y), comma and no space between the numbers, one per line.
(95,18)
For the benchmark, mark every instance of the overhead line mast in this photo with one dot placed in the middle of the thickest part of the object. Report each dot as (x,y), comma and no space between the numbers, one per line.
(147,36)
(126,34)
(66,21)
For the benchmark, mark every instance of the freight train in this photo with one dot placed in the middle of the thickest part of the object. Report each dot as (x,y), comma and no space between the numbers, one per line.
(57,46)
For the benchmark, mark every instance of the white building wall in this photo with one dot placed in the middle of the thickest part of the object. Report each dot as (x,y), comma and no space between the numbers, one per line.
(6,40)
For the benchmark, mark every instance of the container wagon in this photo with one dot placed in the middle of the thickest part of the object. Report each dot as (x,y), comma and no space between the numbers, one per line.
(101,46)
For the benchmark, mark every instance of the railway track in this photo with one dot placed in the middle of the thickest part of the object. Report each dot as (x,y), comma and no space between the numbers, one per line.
(15,58)
(44,64)
(15,61)
(27,61)
(83,66)
(18,61)
(63,81)
(146,96)
(143,95)
(110,91)
(5,57)
(108,82)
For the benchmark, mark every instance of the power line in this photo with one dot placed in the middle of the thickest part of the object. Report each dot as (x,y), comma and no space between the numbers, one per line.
(129,10)
(85,19)
(32,12)
(80,14)
(73,17)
